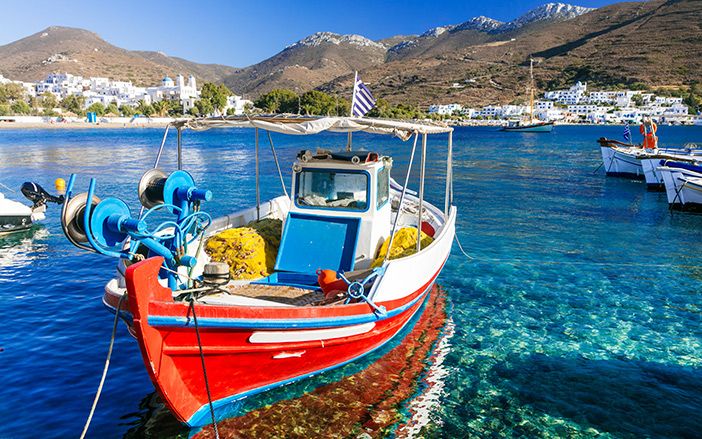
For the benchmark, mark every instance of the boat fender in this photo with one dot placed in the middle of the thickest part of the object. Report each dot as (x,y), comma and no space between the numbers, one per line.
(330,283)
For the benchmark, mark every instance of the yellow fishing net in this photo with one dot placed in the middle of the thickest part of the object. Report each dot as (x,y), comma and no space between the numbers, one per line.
(250,251)
(404,244)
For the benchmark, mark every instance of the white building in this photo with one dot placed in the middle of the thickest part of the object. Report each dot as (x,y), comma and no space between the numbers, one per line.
(169,90)
(602,97)
(445,109)
(237,103)
(490,111)
(677,109)
(571,96)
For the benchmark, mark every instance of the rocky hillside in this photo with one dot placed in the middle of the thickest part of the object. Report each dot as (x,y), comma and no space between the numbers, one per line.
(81,52)
(309,63)
(475,62)
(658,43)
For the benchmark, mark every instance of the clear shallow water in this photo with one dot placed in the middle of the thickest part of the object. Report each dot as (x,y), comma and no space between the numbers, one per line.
(580,314)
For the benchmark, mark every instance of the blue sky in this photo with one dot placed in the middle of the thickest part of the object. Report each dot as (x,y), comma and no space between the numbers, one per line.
(240,33)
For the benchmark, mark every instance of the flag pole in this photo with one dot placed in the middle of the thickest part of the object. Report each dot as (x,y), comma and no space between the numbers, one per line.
(349,140)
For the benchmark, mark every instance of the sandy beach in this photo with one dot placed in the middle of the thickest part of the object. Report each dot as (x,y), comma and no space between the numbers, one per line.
(77,125)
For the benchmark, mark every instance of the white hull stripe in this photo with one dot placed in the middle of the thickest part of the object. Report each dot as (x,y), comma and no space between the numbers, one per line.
(315,334)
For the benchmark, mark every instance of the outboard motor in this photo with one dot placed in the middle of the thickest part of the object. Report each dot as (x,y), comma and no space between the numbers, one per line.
(38,195)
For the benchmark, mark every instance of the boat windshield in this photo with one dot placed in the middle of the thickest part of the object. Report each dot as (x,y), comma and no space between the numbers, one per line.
(332,189)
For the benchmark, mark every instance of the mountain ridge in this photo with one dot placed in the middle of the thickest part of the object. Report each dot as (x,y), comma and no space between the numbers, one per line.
(474,62)
(83,52)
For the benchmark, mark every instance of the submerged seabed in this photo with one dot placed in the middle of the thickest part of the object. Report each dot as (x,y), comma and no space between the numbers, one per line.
(578,316)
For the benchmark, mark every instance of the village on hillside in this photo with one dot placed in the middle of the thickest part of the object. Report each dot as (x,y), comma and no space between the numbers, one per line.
(108,97)
(577,105)
(103,93)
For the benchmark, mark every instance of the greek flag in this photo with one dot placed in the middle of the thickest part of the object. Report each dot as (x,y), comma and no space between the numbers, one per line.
(627,133)
(362,100)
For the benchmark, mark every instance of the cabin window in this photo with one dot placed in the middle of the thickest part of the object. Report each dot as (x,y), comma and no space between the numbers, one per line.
(383,187)
(329,189)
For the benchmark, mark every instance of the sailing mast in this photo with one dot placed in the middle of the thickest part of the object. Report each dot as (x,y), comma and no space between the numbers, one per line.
(531,90)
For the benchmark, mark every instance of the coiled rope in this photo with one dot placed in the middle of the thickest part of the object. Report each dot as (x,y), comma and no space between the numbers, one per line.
(104,370)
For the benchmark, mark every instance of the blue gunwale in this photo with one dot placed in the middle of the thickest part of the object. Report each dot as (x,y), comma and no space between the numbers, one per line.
(321,322)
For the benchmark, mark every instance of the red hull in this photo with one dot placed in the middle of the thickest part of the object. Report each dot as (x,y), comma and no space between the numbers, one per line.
(236,367)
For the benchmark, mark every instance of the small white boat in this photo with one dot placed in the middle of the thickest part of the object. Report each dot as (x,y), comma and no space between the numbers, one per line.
(628,160)
(682,184)
(16,217)
(622,159)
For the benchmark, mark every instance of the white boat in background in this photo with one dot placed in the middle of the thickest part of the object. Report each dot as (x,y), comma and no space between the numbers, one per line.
(622,159)
(17,217)
(683,184)
(628,160)
(529,124)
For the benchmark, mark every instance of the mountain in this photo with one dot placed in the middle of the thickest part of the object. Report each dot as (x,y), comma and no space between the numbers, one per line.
(657,43)
(309,63)
(81,52)
(314,60)
(478,30)
(474,62)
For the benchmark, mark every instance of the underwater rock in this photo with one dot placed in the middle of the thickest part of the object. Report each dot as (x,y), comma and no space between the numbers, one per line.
(367,404)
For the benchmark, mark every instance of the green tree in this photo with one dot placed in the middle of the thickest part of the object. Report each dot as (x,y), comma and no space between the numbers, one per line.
(278,101)
(315,102)
(96,108)
(637,99)
(202,108)
(49,101)
(20,107)
(126,110)
(694,97)
(216,95)
(112,109)
(11,92)
(144,108)
(160,108)
(5,110)
(74,104)
(175,108)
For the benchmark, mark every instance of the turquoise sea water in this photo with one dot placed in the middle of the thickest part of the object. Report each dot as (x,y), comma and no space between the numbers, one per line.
(579,315)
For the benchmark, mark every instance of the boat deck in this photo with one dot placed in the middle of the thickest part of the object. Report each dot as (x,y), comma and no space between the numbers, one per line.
(271,295)
(278,293)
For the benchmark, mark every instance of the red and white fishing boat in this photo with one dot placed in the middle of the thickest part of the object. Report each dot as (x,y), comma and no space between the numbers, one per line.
(208,342)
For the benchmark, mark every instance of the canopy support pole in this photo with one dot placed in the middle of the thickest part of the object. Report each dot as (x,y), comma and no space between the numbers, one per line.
(258,184)
(449,175)
(422,168)
(158,158)
(180,148)
(402,198)
(160,149)
(277,164)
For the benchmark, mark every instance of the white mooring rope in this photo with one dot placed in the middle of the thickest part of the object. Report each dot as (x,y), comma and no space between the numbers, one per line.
(104,370)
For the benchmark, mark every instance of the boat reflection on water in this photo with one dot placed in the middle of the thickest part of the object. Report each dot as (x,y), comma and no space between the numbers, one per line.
(19,249)
(389,392)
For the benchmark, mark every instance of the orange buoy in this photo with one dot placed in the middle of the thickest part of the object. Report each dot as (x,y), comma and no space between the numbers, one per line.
(329,282)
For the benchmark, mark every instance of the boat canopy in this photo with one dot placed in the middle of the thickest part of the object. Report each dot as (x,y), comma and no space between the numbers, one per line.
(307,125)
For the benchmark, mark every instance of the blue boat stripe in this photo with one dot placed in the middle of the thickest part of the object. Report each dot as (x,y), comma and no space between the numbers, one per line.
(327,322)
(202,416)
